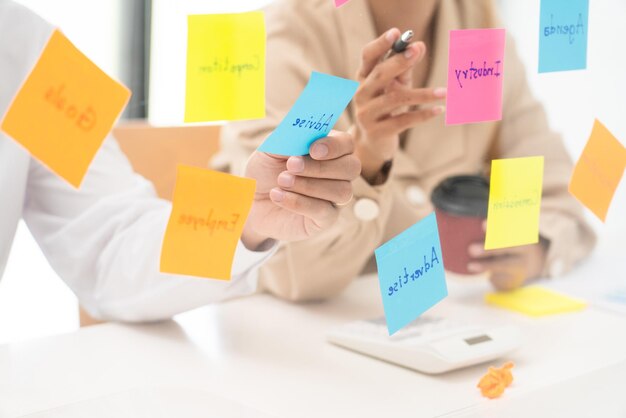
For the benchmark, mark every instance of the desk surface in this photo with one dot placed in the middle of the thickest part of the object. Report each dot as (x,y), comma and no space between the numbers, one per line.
(272,356)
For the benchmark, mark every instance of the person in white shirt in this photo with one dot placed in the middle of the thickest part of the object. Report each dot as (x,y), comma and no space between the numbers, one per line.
(104,239)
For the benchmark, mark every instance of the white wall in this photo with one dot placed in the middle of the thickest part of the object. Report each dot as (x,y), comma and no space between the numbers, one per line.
(574,99)
(169,52)
(93,26)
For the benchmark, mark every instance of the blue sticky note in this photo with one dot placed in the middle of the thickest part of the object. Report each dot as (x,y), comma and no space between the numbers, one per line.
(563,35)
(314,114)
(411,273)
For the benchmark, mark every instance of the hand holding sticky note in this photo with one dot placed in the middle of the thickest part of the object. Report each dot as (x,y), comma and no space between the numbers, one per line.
(563,30)
(209,211)
(514,202)
(411,273)
(598,171)
(225,67)
(65,109)
(312,117)
(535,301)
(475,72)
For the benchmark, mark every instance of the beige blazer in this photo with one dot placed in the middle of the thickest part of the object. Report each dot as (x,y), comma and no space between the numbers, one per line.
(307,35)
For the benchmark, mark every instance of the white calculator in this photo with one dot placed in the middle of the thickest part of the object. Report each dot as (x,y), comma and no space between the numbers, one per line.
(429,344)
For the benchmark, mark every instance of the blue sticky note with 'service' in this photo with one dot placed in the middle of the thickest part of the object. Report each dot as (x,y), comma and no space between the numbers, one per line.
(314,114)
(411,273)
(563,35)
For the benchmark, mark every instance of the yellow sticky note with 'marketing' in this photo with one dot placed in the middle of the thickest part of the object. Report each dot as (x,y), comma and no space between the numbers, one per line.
(514,202)
(598,171)
(225,67)
(535,301)
(209,211)
(65,109)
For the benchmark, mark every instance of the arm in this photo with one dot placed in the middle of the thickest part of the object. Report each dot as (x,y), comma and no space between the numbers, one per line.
(323,265)
(104,240)
(565,236)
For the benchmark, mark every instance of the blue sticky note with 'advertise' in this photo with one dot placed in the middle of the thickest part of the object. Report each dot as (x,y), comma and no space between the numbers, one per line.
(411,273)
(563,35)
(314,114)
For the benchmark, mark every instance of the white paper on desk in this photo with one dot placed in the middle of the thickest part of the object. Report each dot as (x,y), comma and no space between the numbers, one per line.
(162,402)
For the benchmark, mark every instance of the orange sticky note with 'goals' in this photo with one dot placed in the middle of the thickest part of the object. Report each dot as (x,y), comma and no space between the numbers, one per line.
(65,109)
(598,171)
(209,212)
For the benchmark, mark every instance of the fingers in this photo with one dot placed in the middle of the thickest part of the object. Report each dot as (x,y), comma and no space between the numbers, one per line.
(505,273)
(387,103)
(376,50)
(347,167)
(477,251)
(387,71)
(400,123)
(334,191)
(335,145)
(485,260)
(508,279)
(322,213)
(482,265)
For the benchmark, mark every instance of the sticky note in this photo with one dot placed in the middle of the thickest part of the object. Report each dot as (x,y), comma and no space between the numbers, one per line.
(65,109)
(514,202)
(225,67)
(535,301)
(209,210)
(598,171)
(563,29)
(411,273)
(475,72)
(314,114)
(340,2)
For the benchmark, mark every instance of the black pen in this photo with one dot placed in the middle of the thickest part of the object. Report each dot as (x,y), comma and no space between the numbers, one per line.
(400,45)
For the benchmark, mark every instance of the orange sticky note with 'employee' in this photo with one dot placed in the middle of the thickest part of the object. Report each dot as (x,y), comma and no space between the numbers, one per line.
(65,109)
(598,171)
(209,211)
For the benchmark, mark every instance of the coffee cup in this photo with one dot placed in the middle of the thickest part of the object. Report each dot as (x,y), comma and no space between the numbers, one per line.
(461,208)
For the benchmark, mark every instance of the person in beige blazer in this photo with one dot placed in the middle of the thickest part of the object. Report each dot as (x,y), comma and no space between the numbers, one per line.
(401,138)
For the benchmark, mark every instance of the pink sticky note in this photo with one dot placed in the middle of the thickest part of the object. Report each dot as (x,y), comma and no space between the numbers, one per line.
(475,72)
(340,2)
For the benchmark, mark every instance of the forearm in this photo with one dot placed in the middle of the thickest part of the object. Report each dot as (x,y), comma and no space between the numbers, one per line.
(129,286)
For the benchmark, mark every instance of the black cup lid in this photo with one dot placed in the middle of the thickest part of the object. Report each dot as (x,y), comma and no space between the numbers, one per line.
(462,196)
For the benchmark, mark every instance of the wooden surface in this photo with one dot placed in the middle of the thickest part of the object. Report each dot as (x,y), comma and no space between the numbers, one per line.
(155,152)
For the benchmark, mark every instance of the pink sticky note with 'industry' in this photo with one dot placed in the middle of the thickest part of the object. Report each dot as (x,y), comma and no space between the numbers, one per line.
(475,73)
(340,2)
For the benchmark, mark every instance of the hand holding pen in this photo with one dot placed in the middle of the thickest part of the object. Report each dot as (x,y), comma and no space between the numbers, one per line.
(386,104)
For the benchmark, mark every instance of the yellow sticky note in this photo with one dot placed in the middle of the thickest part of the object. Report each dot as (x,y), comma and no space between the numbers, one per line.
(598,171)
(225,67)
(65,109)
(514,202)
(209,211)
(535,301)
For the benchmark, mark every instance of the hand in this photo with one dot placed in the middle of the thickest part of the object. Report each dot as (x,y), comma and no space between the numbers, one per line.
(509,268)
(297,197)
(386,104)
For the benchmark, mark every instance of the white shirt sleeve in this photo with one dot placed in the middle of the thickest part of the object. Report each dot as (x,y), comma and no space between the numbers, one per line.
(104,240)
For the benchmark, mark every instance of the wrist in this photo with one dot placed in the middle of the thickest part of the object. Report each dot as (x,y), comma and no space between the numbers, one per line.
(254,241)
(372,164)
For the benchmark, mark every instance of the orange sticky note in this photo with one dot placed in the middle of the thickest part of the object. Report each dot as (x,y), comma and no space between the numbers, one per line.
(65,109)
(598,171)
(208,214)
